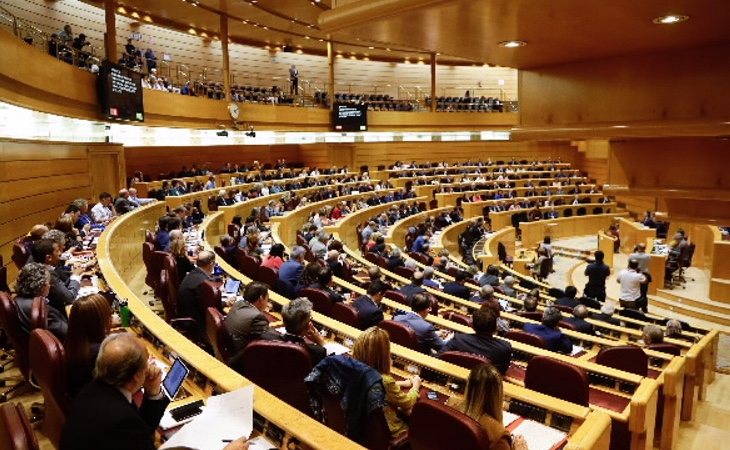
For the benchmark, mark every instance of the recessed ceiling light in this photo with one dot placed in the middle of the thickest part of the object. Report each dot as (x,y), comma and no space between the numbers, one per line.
(371,47)
(512,44)
(670,19)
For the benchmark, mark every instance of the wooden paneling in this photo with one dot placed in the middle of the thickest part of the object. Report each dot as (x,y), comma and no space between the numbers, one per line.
(39,179)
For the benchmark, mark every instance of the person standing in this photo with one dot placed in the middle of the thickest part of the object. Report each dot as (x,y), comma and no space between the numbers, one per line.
(597,272)
(294,79)
(631,280)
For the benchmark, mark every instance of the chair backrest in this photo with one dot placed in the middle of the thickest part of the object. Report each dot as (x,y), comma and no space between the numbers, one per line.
(567,325)
(20,253)
(397,296)
(525,338)
(558,379)
(157,258)
(665,348)
(532,315)
(16,432)
(346,314)
(629,358)
(168,296)
(4,278)
(405,272)
(321,301)
(218,335)
(248,265)
(17,337)
(458,318)
(148,248)
(169,264)
(39,313)
(400,333)
(268,276)
(210,296)
(48,368)
(435,426)
(464,359)
(279,368)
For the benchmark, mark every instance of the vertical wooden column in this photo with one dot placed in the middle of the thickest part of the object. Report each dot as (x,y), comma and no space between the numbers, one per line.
(226,56)
(110,35)
(331,72)
(433,82)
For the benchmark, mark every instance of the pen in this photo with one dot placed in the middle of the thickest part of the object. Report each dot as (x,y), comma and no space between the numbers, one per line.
(226,440)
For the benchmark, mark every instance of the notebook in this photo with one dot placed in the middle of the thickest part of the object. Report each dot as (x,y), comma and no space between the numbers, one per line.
(539,436)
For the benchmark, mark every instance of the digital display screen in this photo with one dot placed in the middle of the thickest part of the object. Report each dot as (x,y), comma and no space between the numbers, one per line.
(174,378)
(349,117)
(120,93)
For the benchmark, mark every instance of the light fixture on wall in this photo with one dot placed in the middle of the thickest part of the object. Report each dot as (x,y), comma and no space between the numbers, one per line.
(512,44)
(670,19)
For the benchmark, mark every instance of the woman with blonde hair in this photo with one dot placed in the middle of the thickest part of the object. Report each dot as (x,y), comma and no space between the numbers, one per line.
(89,322)
(483,400)
(179,251)
(373,348)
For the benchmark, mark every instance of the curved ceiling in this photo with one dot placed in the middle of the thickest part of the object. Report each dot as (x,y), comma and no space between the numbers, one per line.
(276,24)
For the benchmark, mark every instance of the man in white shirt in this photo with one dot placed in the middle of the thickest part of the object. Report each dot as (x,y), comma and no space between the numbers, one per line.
(103,211)
(630,280)
(134,199)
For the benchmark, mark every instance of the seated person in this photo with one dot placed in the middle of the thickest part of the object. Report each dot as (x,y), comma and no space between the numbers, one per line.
(395,259)
(580,313)
(606,314)
(34,280)
(318,244)
(458,287)
(179,251)
(103,211)
(508,286)
(334,263)
(428,280)
(483,342)
(275,258)
(373,348)
(569,298)
(426,334)
(291,271)
(415,287)
(673,329)
(89,323)
(325,283)
(548,330)
(651,334)
(483,401)
(490,277)
(529,304)
(246,321)
(297,317)
(189,302)
(368,306)
(375,274)
(64,289)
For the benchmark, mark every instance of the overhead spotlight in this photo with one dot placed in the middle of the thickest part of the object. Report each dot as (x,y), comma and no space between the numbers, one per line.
(670,19)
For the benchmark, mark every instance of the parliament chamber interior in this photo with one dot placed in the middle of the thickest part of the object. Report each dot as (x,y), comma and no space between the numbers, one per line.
(343,224)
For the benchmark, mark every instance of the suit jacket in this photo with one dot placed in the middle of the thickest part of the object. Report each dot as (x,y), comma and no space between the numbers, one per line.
(554,338)
(606,318)
(457,290)
(498,351)
(62,293)
(316,351)
(368,311)
(567,301)
(57,322)
(425,332)
(580,325)
(245,323)
(289,274)
(101,417)
(188,297)
(410,290)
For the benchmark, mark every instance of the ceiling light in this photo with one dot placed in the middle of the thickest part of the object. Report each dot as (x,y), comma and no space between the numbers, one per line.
(299,51)
(307,37)
(371,47)
(512,44)
(670,19)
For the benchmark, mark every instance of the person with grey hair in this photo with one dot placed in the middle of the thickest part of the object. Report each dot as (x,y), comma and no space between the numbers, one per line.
(485,294)
(508,286)
(673,329)
(428,280)
(189,302)
(318,244)
(580,313)
(395,259)
(297,317)
(415,286)
(651,334)
(103,413)
(410,264)
(548,330)
(334,263)
(606,314)
(34,280)
(64,285)
(291,272)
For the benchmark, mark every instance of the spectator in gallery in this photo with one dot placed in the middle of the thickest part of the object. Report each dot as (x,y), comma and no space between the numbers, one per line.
(130,49)
(294,79)
(151,59)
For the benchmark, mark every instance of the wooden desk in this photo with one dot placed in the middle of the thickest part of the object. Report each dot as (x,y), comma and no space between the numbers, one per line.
(533,233)
(633,233)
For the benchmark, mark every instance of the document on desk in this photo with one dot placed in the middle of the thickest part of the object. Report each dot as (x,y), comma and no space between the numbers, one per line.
(576,349)
(226,417)
(335,348)
(508,418)
(539,436)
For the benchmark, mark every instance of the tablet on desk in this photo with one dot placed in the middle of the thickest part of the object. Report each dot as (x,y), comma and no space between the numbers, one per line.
(232,286)
(174,379)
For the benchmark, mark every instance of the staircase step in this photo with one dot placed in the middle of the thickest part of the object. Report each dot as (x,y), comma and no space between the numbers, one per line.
(690,310)
(676,296)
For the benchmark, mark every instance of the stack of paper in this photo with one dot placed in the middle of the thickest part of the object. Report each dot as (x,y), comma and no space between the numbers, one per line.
(225,418)
(538,436)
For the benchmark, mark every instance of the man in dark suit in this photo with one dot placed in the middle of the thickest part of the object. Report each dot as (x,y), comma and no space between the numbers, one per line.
(457,288)
(415,287)
(297,317)
(554,339)
(569,298)
(246,322)
(483,342)
(291,271)
(188,297)
(103,414)
(580,313)
(428,338)
(325,283)
(62,292)
(333,261)
(368,306)
(597,272)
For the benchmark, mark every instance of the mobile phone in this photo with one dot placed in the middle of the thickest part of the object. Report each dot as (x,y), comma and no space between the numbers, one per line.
(432,395)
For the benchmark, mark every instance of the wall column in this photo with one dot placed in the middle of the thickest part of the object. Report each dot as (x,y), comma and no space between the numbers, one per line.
(110,35)
(226,56)
(433,82)
(331,73)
